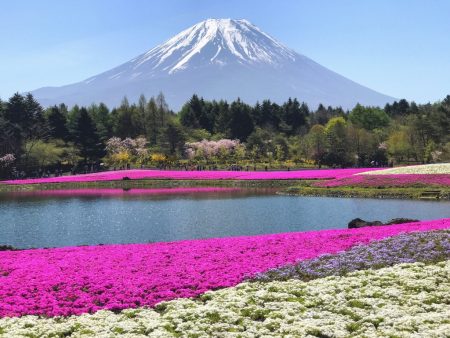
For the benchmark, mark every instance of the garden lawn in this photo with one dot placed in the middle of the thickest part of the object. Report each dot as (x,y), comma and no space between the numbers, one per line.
(76,280)
(141,174)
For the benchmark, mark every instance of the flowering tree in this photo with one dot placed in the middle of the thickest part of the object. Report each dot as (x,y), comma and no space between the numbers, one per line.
(140,150)
(121,158)
(7,160)
(223,150)
(122,151)
(113,145)
(158,158)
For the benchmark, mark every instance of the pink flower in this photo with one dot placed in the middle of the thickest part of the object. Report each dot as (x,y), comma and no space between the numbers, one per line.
(75,280)
(397,180)
(138,174)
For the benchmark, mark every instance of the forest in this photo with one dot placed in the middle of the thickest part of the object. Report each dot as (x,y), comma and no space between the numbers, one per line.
(217,134)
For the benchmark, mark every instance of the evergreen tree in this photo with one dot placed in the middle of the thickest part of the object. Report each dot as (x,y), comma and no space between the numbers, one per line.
(87,138)
(241,123)
(270,115)
(72,118)
(151,122)
(57,123)
(190,113)
(25,119)
(321,115)
(141,114)
(222,120)
(173,138)
(102,118)
(163,109)
(294,115)
(124,124)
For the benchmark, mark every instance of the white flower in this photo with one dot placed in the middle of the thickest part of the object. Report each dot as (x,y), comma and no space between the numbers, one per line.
(403,300)
(436,168)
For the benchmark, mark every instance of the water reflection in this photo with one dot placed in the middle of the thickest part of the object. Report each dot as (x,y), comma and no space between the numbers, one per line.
(93,216)
(136,193)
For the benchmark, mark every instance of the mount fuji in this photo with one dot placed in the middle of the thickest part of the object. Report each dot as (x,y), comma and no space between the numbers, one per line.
(217,59)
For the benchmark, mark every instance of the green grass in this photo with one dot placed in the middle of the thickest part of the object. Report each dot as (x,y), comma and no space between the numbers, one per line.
(152,183)
(290,187)
(385,192)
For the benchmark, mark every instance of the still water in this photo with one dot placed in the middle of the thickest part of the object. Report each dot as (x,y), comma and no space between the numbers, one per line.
(80,217)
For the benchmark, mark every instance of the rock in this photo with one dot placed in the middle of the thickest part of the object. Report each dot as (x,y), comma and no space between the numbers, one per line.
(401,221)
(359,223)
(7,248)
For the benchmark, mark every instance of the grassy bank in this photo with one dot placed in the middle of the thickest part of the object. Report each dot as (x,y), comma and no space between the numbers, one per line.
(288,187)
(385,192)
(154,183)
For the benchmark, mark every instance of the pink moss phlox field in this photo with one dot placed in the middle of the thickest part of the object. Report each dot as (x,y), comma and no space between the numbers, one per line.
(140,174)
(397,180)
(121,192)
(75,280)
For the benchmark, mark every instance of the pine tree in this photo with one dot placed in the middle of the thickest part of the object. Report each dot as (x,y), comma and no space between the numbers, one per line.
(173,138)
(190,112)
(24,116)
(86,137)
(102,119)
(57,124)
(222,120)
(151,129)
(124,125)
(163,109)
(241,123)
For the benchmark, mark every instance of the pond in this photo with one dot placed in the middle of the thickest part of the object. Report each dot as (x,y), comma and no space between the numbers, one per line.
(103,216)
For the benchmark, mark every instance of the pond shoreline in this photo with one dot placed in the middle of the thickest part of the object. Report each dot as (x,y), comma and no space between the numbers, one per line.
(381,193)
(151,183)
(287,187)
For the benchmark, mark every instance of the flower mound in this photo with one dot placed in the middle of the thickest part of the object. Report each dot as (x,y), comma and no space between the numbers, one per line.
(401,301)
(437,168)
(197,175)
(400,180)
(426,247)
(77,280)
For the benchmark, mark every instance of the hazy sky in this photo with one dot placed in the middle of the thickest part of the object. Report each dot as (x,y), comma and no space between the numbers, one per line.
(400,48)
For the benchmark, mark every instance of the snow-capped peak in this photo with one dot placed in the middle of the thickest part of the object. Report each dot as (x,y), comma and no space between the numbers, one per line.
(219,41)
(218,59)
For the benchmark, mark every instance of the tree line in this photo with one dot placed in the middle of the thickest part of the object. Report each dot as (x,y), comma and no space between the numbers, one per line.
(289,134)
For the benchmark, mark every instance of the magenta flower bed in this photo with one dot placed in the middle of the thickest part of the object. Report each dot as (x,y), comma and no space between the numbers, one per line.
(139,174)
(75,280)
(399,180)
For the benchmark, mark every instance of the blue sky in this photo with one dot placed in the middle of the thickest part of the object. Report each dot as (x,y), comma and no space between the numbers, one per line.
(400,48)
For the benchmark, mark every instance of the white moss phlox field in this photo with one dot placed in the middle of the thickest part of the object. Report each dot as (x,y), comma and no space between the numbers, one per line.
(405,300)
(437,168)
